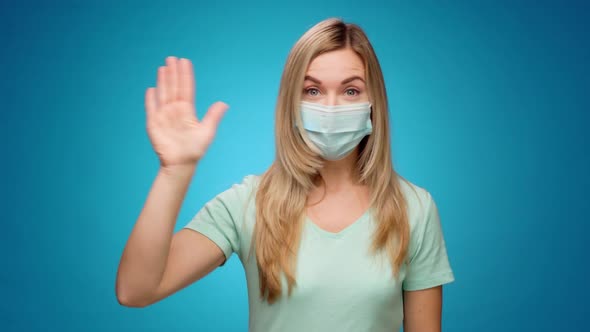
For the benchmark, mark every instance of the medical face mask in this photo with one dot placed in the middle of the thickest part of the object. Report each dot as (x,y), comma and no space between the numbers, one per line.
(336,130)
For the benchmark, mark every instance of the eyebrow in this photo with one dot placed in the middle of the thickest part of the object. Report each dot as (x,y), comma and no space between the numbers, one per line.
(348,80)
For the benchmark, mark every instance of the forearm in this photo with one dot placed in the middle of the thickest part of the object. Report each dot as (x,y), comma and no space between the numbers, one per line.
(144,258)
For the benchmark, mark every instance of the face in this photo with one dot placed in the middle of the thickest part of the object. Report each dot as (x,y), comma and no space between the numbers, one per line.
(335,78)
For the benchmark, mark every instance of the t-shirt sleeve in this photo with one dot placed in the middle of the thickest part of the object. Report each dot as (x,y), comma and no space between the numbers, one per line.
(220,218)
(428,264)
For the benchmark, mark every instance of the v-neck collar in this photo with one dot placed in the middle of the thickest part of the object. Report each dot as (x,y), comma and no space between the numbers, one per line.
(342,232)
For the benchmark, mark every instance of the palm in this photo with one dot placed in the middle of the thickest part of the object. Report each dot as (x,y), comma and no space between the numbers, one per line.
(176,134)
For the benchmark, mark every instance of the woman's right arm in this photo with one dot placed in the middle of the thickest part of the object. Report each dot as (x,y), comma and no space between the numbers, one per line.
(155,262)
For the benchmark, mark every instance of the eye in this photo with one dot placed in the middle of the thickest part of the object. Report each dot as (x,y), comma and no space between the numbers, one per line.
(313,92)
(352,92)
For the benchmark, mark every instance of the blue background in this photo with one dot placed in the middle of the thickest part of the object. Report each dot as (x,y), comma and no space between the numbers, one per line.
(489,111)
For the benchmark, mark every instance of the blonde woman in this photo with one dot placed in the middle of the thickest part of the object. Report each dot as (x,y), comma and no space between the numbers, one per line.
(330,236)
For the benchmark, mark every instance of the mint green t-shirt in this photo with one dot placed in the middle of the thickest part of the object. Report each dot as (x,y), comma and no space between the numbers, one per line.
(340,286)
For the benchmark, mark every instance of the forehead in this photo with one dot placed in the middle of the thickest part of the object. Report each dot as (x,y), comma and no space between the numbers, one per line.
(336,64)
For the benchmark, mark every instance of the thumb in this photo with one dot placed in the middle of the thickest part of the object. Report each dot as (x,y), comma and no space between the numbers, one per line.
(214,114)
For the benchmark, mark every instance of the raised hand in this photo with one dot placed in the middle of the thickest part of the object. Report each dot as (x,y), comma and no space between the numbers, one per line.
(177,136)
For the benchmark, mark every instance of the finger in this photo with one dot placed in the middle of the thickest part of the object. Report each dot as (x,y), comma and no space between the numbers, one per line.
(214,114)
(186,81)
(150,102)
(172,78)
(162,88)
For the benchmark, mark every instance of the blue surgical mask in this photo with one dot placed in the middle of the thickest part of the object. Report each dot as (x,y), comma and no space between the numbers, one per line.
(336,130)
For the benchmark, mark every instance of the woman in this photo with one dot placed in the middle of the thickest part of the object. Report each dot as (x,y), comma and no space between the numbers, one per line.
(330,236)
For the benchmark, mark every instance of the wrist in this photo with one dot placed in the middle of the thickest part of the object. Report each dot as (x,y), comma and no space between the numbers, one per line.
(178,170)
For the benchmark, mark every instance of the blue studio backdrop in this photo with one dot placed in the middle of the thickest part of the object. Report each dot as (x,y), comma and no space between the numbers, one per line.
(489,109)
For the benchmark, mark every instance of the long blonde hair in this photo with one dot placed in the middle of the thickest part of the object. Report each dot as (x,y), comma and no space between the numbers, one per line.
(284,187)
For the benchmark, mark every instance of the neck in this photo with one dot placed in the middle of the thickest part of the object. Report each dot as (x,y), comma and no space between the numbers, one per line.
(340,174)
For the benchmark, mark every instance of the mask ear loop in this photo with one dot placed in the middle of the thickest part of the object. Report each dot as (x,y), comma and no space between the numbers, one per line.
(371,119)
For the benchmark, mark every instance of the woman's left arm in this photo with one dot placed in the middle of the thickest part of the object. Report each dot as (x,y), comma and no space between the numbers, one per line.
(423,310)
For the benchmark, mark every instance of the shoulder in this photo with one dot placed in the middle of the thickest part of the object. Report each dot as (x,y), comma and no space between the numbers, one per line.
(240,191)
(248,185)
(419,200)
(422,211)
(234,201)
